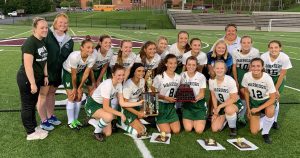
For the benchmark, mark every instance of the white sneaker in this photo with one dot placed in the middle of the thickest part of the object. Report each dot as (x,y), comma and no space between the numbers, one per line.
(40,130)
(36,135)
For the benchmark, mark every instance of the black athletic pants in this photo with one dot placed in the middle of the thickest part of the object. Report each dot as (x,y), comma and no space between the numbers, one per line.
(28,102)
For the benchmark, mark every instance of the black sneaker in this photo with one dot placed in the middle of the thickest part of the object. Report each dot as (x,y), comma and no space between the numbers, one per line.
(233,132)
(99,136)
(275,125)
(267,139)
(114,126)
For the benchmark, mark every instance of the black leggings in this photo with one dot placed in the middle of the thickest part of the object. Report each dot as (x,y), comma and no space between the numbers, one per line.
(28,102)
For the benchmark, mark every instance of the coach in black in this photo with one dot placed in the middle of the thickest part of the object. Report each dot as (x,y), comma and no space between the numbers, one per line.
(31,76)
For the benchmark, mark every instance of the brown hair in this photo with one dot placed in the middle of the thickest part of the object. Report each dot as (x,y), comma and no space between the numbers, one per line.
(142,52)
(86,40)
(187,46)
(36,20)
(246,36)
(162,65)
(214,53)
(162,38)
(119,59)
(260,60)
(231,25)
(274,41)
(101,39)
(117,67)
(56,19)
(194,39)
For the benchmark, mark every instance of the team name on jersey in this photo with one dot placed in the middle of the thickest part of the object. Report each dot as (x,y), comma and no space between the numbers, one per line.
(221,90)
(149,66)
(126,64)
(80,67)
(269,66)
(243,60)
(170,84)
(193,83)
(257,85)
(100,63)
(139,91)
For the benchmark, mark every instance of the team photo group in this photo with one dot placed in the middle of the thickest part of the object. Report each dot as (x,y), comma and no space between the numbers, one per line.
(232,84)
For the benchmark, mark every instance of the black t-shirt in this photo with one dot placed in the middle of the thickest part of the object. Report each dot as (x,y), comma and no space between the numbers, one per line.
(36,48)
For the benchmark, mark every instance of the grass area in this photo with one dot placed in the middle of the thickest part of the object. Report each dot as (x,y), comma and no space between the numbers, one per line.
(66,143)
(294,8)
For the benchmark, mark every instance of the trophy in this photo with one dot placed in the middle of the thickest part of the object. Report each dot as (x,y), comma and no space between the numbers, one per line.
(184,92)
(150,97)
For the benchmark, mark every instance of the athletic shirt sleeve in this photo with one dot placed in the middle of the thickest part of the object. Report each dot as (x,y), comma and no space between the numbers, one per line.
(202,81)
(138,59)
(92,61)
(211,84)
(234,56)
(270,84)
(29,47)
(73,60)
(106,90)
(245,80)
(132,58)
(202,60)
(209,58)
(184,57)
(231,85)
(156,82)
(127,91)
(286,62)
(119,88)
(113,61)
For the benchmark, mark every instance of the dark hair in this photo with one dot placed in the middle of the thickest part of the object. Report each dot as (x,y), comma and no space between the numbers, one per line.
(274,41)
(142,52)
(231,25)
(101,39)
(187,46)
(117,67)
(36,20)
(133,68)
(191,58)
(119,59)
(260,60)
(194,39)
(246,36)
(162,65)
(87,40)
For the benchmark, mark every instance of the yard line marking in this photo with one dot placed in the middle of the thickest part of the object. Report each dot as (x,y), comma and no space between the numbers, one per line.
(20,34)
(123,35)
(143,149)
(292,52)
(292,88)
(72,31)
(294,58)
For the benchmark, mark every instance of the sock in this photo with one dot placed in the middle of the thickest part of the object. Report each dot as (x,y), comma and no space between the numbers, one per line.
(242,111)
(261,122)
(102,123)
(94,123)
(131,130)
(231,120)
(276,110)
(268,122)
(77,109)
(70,111)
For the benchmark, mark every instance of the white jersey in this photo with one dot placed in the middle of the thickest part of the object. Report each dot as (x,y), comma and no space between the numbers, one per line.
(106,90)
(150,65)
(100,59)
(75,61)
(197,82)
(259,89)
(201,58)
(127,63)
(174,50)
(241,60)
(222,91)
(273,68)
(132,92)
(165,85)
(164,54)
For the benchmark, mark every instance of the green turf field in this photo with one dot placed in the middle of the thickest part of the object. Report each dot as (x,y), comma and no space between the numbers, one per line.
(63,142)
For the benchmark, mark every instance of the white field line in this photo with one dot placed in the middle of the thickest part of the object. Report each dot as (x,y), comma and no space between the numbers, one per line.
(123,35)
(19,34)
(294,58)
(292,88)
(143,149)
(72,31)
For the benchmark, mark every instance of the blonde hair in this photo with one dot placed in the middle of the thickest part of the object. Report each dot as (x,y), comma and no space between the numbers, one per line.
(36,20)
(56,19)
(214,53)
(162,38)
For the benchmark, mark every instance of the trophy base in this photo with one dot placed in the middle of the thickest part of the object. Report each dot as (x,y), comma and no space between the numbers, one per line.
(148,114)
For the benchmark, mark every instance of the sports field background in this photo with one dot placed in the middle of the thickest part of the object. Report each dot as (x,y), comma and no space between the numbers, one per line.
(63,142)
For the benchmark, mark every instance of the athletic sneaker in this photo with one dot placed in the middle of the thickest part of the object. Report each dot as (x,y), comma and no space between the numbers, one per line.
(45,125)
(275,125)
(40,130)
(79,124)
(36,136)
(233,132)
(267,139)
(73,125)
(54,121)
(99,136)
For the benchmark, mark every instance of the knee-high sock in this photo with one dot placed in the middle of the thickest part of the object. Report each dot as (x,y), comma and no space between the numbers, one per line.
(243,111)
(268,122)
(102,123)
(261,122)
(70,111)
(276,110)
(128,129)
(231,120)
(77,109)
(94,123)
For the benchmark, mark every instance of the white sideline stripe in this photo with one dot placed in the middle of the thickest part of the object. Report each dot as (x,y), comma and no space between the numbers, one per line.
(292,88)
(123,35)
(72,31)
(143,149)
(19,34)
(294,58)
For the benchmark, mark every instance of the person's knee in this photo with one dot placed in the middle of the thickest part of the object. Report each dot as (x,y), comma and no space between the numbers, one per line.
(199,130)
(176,130)
(254,131)
(269,112)
(107,133)
(108,117)
(230,110)
(188,128)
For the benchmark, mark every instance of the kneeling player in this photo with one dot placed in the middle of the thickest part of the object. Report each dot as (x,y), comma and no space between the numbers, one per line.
(225,99)
(260,97)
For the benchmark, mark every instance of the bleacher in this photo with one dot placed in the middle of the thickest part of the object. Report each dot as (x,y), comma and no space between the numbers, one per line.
(290,19)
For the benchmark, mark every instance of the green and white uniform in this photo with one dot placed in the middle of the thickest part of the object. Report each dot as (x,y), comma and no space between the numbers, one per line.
(75,61)
(166,86)
(222,91)
(100,61)
(127,63)
(259,90)
(201,58)
(104,90)
(150,65)
(194,111)
(174,50)
(132,92)
(274,68)
(242,61)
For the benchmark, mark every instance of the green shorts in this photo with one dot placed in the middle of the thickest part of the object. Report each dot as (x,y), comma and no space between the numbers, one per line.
(239,105)
(179,69)
(240,75)
(275,79)
(166,113)
(194,111)
(96,75)
(130,117)
(91,106)
(67,79)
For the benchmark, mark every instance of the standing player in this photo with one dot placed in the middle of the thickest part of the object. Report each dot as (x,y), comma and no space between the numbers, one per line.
(260,94)
(103,54)
(125,57)
(148,56)
(194,113)
(166,83)
(162,47)
(225,99)
(76,70)
(196,52)
(276,64)
(179,48)
(99,107)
